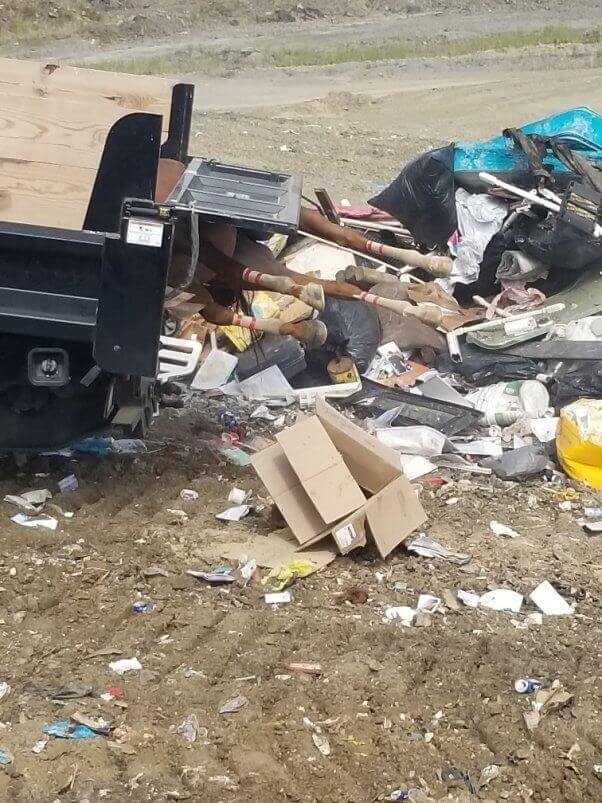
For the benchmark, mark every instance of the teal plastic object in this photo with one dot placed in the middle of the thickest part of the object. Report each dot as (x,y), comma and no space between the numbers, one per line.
(580,128)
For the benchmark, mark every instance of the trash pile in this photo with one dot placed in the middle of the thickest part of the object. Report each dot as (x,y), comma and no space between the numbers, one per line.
(460,325)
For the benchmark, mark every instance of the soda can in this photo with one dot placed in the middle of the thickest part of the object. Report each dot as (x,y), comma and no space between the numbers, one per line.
(143,607)
(527,685)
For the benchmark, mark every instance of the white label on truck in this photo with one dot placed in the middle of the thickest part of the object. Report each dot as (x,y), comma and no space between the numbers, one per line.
(145,233)
(345,536)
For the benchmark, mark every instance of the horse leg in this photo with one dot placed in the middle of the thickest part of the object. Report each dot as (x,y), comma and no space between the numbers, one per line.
(312,333)
(311,293)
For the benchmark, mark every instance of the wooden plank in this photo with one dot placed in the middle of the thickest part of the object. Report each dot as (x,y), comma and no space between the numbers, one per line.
(54,122)
(118,90)
(41,130)
(44,194)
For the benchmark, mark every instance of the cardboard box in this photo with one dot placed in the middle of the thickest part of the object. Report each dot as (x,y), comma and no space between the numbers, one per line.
(329,477)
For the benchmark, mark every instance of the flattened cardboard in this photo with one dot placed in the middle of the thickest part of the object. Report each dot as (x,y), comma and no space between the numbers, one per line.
(372,464)
(321,470)
(277,548)
(393,514)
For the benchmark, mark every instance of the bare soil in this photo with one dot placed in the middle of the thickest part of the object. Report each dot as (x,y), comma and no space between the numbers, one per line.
(384,686)
(67,595)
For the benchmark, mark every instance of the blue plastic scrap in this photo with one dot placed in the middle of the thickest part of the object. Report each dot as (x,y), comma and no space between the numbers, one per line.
(580,128)
(69,730)
(6,758)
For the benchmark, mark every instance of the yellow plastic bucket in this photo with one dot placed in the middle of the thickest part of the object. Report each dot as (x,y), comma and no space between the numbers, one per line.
(579,441)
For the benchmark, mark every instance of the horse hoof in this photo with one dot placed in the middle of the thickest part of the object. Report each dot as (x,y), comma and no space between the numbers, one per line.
(312,333)
(313,295)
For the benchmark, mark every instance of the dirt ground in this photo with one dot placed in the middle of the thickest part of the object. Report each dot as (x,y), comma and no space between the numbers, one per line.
(398,705)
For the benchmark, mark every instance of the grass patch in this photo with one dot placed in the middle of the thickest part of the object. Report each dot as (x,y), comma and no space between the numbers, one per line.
(390,50)
(196,59)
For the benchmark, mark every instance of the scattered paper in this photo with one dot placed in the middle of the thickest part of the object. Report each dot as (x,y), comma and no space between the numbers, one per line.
(500,599)
(189,728)
(215,371)
(263,413)
(417,440)
(591,527)
(48,522)
(428,603)
(498,528)
(233,706)
(427,548)
(318,737)
(544,429)
(224,577)
(124,665)
(531,719)
(402,612)
(278,597)
(268,384)
(491,447)
(416,466)
(188,495)
(4,689)
(234,513)
(469,598)
(31,501)
(552,699)
(69,483)
(549,601)
(238,497)
(488,774)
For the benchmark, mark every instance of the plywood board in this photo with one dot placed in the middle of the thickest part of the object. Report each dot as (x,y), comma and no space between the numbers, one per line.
(54,122)
(44,194)
(117,90)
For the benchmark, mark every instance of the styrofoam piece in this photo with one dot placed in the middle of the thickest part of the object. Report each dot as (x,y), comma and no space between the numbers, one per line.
(549,601)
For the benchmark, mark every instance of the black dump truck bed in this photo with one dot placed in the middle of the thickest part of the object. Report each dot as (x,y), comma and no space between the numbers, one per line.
(81,311)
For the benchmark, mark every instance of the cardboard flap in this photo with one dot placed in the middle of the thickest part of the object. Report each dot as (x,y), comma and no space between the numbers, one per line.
(372,464)
(321,470)
(288,494)
(393,514)
(350,533)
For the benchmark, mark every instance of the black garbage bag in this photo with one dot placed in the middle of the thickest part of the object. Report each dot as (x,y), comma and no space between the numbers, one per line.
(481,367)
(581,379)
(559,244)
(422,197)
(519,464)
(353,331)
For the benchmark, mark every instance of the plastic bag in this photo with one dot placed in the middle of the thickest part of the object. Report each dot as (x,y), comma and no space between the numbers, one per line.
(480,217)
(353,331)
(482,367)
(519,464)
(578,380)
(422,197)
(560,245)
